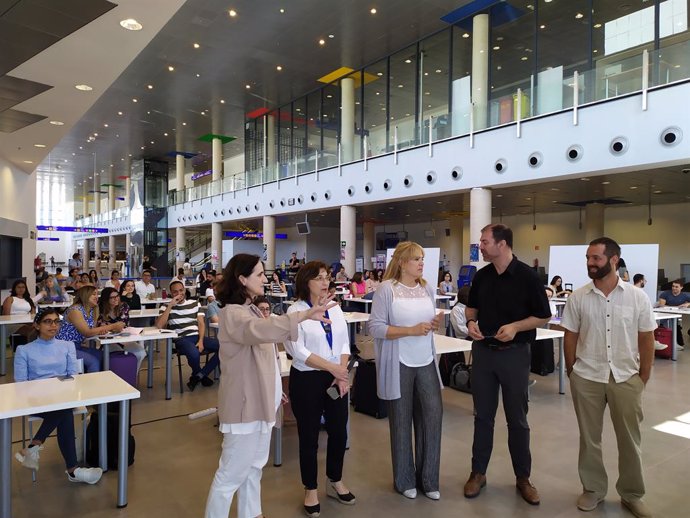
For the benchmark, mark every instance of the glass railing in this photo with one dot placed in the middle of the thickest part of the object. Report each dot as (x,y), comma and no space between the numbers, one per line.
(551,91)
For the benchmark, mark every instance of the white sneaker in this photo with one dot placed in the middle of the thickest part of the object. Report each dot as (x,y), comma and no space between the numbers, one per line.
(433,495)
(410,493)
(86,475)
(29,457)
(658,346)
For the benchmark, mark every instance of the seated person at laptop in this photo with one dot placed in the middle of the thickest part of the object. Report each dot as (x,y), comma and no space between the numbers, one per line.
(184,317)
(47,357)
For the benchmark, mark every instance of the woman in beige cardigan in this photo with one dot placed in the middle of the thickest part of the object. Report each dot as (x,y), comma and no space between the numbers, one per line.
(250,387)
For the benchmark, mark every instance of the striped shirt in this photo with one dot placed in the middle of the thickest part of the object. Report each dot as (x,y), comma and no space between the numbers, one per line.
(183,318)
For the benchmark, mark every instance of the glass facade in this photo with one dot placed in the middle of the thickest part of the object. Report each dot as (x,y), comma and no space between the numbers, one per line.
(533,52)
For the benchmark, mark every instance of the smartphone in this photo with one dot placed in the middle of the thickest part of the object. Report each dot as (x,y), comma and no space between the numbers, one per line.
(333,392)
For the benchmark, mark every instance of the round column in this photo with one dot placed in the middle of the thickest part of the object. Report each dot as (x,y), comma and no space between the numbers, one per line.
(179,177)
(97,255)
(217,159)
(111,253)
(180,252)
(269,229)
(369,244)
(347,120)
(480,69)
(453,253)
(216,245)
(480,216)
(111,198)
(594,221)
(348,236)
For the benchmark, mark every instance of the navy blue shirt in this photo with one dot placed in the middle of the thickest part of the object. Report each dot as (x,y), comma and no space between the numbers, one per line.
(514,295)
(673,300)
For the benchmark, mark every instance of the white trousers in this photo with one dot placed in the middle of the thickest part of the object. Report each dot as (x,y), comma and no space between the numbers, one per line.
(239,470)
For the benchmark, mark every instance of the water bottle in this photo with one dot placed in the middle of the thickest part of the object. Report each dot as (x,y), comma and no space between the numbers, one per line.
(164,294)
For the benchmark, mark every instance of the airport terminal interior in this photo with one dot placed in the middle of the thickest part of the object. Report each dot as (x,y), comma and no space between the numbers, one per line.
(172,135)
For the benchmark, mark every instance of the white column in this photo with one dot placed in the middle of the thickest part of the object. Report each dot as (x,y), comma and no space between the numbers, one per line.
(216,245)
(129,271)
(480,69)
(179,175)
(180,252)
(217,159)
(270,143)
(128,186)
(347,120)
(97,254)
(480,216)
(111,198)
(594,221)
(96,200)
(369,243)
(453,253)
(269,230)
(348,235)
(111,252)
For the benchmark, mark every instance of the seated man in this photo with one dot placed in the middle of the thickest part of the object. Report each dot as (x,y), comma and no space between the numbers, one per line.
(185,317)
(145,288)
(677,298)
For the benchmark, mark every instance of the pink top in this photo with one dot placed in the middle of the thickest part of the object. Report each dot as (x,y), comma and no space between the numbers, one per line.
(361,288)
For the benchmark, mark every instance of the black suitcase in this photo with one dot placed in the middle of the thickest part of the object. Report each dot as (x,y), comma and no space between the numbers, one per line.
(542,357)
(113,436)
(446,363)
(364,396)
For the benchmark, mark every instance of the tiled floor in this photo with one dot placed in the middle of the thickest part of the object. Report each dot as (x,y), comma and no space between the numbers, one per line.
(176,459)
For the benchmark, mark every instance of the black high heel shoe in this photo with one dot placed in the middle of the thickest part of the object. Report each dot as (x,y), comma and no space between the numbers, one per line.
(345,498)
(313,511)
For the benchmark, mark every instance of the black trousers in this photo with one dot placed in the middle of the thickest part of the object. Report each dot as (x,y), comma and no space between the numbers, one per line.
(506,370)
(309,402)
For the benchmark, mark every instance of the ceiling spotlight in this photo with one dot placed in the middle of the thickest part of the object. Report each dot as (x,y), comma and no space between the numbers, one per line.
(322,42)
(39,145)
(165,134)
(597,26)
(542,26)
(83,88)
(633,187)
(119,113)
(247,86)
(152,142)
(331,36)
(524,58)
(605,183)
(95,134)
(373,10)
(171,68)
(184,123)
(222,101)
(198,75)
(57,123)
(408,61)
(28,162)
(196,45)
(282,10)
(150,87)
(497,47)
(279,68)
(135,100)
(579,15)
(232,13)
(105,125)
(465,35)
(131,24)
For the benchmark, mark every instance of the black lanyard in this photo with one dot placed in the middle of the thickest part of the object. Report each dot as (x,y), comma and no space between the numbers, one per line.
(326,329)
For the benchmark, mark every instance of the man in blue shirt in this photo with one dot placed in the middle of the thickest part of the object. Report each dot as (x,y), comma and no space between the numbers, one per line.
(678,298)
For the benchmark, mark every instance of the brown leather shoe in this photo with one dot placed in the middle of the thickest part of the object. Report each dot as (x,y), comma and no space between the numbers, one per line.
(528,492)
(474,484)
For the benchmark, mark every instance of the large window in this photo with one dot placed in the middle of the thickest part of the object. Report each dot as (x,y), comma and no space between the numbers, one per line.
(461,89)
(403,85)
(433,77)
(52,205)
(375,107)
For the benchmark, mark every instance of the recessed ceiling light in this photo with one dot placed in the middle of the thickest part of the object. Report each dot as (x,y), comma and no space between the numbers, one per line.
(80,147)
(196,45)
(279,68)
(131,24)
(198,75)
(466,35)
(372,10)
(633,187)
(605,183)
(427,93)
(499,196)
(135,100)
(57,123)
(83,88)
(579,15)
(524,58)
(171,68)
(542,26)
(39,145)
(438,70)
(597,26)
(379,74)
(400,86)
(105,125)
(657,192)
(152,142)
(282,11)
(247,86)
(232,13)
(119,113)
(555,189)
(165,134)
(408,61)
(150,87)
(95,134)
(222,101)
(496,47)
(28,162)
(331,36)
(184,123)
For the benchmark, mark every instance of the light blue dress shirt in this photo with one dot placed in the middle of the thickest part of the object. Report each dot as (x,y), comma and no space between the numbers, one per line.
(42,359)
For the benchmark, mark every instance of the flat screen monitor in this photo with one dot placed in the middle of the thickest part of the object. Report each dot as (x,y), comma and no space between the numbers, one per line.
(303,228)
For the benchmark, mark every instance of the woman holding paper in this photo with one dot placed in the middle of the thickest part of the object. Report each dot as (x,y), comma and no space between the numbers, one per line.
(112,310)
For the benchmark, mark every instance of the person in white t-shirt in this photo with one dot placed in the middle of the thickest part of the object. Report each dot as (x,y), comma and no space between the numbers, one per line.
(145,288)
(114,281)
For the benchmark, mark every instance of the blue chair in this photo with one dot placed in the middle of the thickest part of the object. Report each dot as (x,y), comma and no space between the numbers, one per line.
(466,274)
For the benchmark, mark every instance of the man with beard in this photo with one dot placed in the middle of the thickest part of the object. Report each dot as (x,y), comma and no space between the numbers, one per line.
(506,304)
(609,350)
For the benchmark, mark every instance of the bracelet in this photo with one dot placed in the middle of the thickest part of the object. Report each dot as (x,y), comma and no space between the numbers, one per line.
(471,320)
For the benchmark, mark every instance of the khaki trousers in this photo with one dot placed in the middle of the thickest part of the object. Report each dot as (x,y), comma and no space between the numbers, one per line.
(625,407)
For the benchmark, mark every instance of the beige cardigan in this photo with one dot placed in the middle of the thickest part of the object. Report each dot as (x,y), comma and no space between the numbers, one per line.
(248,360)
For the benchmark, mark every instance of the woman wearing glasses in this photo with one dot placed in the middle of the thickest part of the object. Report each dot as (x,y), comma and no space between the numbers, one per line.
(48,357)
(250,388)
(320,356)
(113,309)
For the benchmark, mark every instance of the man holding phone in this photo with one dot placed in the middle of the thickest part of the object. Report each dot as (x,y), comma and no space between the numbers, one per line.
(185,317)
(507,303)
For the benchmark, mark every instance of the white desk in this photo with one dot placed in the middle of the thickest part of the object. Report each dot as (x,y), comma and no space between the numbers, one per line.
(445,299)
(32,397)
(149,341)
(8,320)
(360,300)
(144,313)
(56,305)
(155,302)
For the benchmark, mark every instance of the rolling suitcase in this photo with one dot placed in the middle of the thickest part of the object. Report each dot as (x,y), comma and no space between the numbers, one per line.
(124,364)
(366,400)
(542,357)
(664,336)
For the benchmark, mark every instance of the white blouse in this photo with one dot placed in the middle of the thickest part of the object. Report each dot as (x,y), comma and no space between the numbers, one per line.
(20,306)
(410,307)
(312,338)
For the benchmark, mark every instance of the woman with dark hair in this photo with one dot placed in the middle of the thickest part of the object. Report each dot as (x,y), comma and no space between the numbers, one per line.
(113,309)
(446,285)
(114,281)
(19,301)
(320,356)
(48,357)
(358,287)
(250,388)
(93,277)
(556,286)
(372,282)
(129,295)
(80,323)
(623,270)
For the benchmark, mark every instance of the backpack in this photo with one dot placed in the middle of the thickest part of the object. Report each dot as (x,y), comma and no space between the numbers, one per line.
(461,377)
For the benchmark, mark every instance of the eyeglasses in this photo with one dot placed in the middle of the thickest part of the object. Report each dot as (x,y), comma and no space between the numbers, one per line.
(264,309)
(51,322)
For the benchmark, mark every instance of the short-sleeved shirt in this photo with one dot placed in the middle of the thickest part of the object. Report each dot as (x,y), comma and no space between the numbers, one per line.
(143,289)
(607,326)
(514,295)
(68,330)
(675,300)
(183,318)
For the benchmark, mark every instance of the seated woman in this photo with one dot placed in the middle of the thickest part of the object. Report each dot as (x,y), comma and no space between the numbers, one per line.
(114,281)
(373,281)
(111,310)
(50,292)
(48,357)
(129,295)
(80,323)
(93,277)
(277,284)
(358,287)
(446,285)
(557,287)
(84,280)
(19,303)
